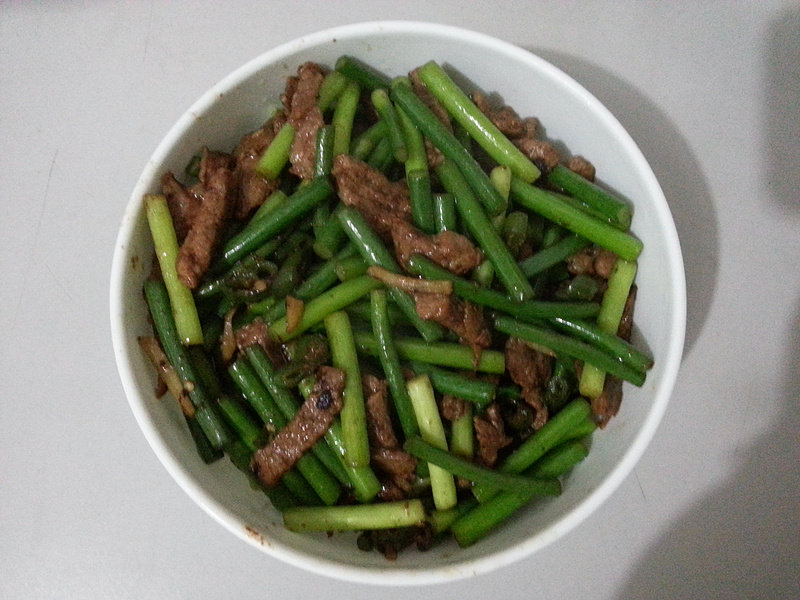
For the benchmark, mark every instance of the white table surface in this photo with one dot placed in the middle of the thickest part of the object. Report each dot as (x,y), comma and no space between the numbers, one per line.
(710,91)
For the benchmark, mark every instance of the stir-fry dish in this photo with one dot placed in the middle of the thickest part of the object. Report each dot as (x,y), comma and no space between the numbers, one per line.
(395,307)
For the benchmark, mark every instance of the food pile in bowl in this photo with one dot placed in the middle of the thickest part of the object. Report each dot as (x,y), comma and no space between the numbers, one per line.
(394,306)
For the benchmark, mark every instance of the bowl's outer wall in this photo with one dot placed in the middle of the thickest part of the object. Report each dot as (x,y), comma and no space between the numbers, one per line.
(570,117)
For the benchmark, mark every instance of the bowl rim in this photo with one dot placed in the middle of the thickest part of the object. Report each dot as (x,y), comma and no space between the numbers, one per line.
(397,576)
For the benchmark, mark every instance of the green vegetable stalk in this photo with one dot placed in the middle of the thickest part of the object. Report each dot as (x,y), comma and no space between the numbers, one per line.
(182,304)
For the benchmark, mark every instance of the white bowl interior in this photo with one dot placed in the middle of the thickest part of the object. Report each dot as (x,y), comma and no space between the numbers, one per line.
(570,116)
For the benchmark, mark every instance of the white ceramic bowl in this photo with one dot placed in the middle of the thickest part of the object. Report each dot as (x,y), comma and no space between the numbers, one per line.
(570,116)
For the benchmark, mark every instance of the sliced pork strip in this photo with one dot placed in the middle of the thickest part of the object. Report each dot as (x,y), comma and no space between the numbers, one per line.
(581,166)
(395,467)
(379,421)
(253,188)
(531,370)
(306,118)
(448,249)
(210,218)
(309,424)
(608,403)
(383,203)
(464,318)
(183,204)
(504,117)
(490,435)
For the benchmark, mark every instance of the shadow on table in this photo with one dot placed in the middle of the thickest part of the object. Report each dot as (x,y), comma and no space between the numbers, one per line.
(676,169)
(740,541)
(743,540)
(781,127)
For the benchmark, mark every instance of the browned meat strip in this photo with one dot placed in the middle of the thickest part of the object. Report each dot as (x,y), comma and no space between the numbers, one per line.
(253,333)
(582,262)
(211,162)
(542,153)
(582,167)
(256,333)
(382,202)
(604,263)
(395,467)
(309,424)
(607,404)
(452,408)
(530,127)
(626,321)
(300,99)
(592,261)
(379,421)
(504,117)
(463,318)
(216,191)
(531,370)
(183,204)
(289,90)
(447,249)
(253,188)
(490,435)
(386,207)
